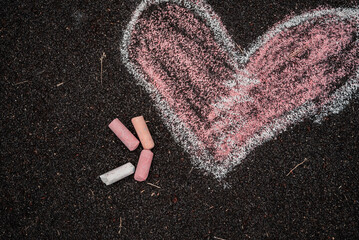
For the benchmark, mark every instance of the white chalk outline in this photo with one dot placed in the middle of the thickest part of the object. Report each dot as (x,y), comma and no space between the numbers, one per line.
(187,138)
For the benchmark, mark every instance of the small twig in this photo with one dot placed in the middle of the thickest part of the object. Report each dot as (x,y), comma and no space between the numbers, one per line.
(59,84)
(218,238)
(291,171)
(153,185)
(240,48)
(190,170)
(101,60)
(41,72)
(21,82)
(119,231)
(298,51)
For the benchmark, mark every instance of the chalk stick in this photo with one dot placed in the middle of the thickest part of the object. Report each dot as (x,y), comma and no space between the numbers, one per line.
(118,173)
(143,165)
(124,134)
(142,132)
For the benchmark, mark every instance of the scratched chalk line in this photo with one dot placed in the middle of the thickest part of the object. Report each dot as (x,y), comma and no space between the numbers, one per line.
(186,137)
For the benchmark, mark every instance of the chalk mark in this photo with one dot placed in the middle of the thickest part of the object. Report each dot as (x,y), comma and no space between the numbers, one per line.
(237,82)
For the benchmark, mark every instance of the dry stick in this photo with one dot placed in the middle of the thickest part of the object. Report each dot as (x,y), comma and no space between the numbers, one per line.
(297,52)
(21,82)
(218,238)
(153,185)
(240,48)
(119,231)
(101,60)
(291,171)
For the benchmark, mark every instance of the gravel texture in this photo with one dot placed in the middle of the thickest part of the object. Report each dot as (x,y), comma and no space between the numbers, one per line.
(55,108)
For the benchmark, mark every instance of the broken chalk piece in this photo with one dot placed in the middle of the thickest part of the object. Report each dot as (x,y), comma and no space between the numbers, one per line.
(118,173)
(124,134)
(143,165)
(142,132)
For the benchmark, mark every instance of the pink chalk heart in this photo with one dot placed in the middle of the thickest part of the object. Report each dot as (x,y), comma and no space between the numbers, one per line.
(220,103)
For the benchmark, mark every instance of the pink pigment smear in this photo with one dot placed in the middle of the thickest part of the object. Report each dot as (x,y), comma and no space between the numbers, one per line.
(179,55)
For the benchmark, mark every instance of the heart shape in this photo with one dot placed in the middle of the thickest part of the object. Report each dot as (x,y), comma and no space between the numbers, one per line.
(219,104)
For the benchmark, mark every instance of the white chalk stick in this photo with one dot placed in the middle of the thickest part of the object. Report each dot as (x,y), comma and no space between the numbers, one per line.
(118,173)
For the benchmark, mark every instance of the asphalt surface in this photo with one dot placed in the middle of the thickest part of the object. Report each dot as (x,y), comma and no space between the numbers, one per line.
(55,108)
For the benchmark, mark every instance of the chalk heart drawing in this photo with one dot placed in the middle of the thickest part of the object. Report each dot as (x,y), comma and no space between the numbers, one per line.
(220,102)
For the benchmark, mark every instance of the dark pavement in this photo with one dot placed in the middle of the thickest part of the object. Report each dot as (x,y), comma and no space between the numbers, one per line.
(55,142)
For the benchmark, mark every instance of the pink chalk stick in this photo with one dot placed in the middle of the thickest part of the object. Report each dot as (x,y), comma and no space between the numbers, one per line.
(124,134)
(143,165)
